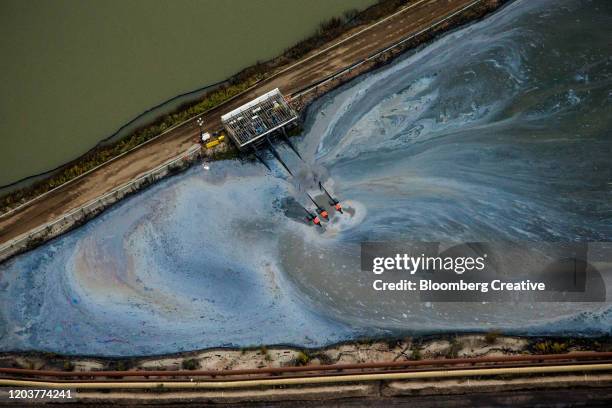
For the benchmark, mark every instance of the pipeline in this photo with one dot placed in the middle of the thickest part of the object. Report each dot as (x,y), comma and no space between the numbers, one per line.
(332,199)
(149,378)
(275,153)
(315,203)
(435,374)
(286,138)
(260,159)
(316,368)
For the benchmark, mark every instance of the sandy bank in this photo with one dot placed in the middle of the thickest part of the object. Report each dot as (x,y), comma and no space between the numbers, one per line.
(490,344)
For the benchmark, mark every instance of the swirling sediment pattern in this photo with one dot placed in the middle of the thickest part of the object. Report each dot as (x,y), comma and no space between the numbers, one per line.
(497,131)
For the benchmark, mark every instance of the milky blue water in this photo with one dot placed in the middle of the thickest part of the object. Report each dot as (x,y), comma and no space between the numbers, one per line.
(497,131)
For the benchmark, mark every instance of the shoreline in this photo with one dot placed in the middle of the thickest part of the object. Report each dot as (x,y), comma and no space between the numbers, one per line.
(14,244)
(28,181)
(172,104)
(363,350)
(204,328)
(328,31)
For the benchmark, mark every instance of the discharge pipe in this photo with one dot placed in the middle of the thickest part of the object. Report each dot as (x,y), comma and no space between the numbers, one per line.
(261,160)
(275,153)
(286,138)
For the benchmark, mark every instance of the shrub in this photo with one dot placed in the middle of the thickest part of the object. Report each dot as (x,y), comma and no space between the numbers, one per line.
(190,364)
(491,337)
(416,353)
(548,347)
(349,15)
(323,358)
(558,348)
(392,343)
(332,24)
(302,358)
(542,347)
(453,349)
(121,366)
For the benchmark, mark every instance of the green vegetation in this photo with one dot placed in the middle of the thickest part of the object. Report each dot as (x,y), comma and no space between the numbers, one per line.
(491,337)
(416,353)
(121,366)
(302,358)
(550,347)
(336,26)
(68,366)
(190,364)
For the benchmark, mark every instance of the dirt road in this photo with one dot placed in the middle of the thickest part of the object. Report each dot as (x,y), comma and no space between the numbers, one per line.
(359,44)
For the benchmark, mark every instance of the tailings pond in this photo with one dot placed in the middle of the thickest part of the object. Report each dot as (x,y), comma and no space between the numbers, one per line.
(497,131)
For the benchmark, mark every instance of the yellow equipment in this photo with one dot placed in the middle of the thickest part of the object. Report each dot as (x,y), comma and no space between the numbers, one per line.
(216,141)
(212,143)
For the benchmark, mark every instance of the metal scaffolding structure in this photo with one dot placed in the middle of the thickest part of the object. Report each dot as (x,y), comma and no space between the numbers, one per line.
(254,120)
